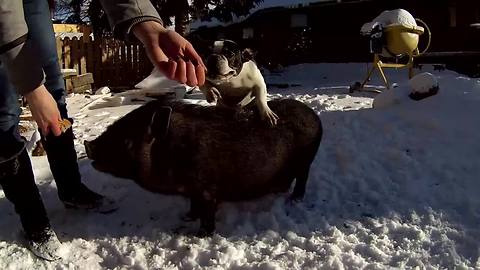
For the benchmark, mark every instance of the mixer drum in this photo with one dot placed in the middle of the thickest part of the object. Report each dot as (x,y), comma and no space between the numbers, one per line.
(400,39)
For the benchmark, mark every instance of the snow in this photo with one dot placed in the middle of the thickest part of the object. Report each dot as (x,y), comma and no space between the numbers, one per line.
(390,17)
(103,90)
(394,186)
(32,141)
(423,82)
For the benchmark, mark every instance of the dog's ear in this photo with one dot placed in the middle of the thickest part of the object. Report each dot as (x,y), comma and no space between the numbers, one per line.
(248,55)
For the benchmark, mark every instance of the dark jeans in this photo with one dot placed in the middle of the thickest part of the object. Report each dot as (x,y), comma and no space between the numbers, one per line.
(40,31)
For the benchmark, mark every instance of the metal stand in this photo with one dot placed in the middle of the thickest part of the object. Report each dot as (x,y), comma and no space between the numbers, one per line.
(379,64)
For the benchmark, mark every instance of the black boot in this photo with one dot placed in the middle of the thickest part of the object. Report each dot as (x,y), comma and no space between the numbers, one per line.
(62,157)
(17,180)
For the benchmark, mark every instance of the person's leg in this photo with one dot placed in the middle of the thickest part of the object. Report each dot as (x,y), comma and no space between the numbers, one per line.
(16,175)
(60,150)
(11,144)
(40,31)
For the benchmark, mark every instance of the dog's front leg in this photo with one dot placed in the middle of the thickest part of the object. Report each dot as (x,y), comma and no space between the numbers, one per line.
(260,92)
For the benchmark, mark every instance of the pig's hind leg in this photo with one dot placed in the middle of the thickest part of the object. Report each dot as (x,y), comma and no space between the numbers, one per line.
(204,206)
(304,159)
(194,212)
(300,184)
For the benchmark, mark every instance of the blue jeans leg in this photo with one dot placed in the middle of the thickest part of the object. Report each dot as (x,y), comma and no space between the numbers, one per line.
(40,29)
(11,144)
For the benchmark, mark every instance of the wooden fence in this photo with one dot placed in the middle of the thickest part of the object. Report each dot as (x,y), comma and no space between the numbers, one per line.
(113,63)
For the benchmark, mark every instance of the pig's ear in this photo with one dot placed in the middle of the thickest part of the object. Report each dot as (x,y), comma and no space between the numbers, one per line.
(160,122)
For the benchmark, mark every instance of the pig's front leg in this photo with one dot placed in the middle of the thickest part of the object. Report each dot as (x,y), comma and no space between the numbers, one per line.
(207,207)
(194,212)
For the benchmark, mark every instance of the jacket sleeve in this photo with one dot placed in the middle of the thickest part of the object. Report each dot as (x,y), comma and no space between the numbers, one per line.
(16,51)
(124,14)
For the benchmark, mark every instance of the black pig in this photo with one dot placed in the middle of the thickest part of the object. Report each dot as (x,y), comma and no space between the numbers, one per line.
(209,153)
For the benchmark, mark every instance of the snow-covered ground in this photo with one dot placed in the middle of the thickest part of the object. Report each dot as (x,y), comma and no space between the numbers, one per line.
(395,186)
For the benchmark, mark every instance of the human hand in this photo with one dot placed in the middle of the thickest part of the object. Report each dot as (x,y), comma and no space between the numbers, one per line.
(44,110)
(172,54)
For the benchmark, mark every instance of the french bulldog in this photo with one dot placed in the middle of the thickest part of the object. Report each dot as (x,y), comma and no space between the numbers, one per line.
(234,80)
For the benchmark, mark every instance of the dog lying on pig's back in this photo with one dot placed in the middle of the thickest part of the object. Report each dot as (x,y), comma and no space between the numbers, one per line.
(210,154)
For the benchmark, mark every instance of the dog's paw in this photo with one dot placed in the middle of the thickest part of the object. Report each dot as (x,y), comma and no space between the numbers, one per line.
(270,116)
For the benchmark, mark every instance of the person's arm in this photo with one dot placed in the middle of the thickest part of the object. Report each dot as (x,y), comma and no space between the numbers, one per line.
(16,51)
(23,66)
(169,52)
(123,15)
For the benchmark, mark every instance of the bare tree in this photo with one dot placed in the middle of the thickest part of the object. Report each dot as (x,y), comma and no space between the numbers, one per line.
(72,11)
(182,11)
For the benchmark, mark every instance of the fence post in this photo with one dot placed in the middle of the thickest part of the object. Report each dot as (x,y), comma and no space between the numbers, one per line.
(83,53)
(89,55)
(59,45)
(67,56)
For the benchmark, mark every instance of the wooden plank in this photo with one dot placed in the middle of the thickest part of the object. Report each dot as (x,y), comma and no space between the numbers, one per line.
(117,63)
(103,63)
(74,53)
(89,58)
(106,64)
(111,62)
(82,79)
(82,89)
(68,28)
(67,63)
(59,46)
(83,54)
(129,59)
(123,59)
(69,72)
(66,52)
(135,61)
(92,58)
(141,62)
(97,56)
(146,66)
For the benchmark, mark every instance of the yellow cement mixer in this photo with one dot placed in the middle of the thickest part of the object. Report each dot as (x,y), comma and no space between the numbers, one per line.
(391,43)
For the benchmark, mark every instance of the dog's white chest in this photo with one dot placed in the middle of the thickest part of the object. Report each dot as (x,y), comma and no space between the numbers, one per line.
(243,82)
